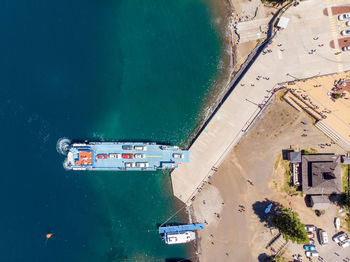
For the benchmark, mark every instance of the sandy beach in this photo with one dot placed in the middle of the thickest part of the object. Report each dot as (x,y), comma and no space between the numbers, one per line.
(234,235)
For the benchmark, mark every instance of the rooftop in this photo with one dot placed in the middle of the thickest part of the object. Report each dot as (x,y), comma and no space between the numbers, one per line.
(321,174)
(320,202)
(295,157)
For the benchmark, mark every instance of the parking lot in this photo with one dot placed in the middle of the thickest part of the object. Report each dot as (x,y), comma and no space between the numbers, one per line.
(330,252)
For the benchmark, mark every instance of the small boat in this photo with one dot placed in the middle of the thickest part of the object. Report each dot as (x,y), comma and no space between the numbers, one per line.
(179,234)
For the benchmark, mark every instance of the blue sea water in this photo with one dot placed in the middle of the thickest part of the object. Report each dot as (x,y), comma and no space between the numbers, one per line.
(96,70)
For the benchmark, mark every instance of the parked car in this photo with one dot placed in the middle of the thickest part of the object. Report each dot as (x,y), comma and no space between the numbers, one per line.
(345,32)
(311,253)
(140,148)
(318,213)
(311,242)
(142,164)
(310,228)
(340,237)
(310,235)
(310,247)
(129,164)
(140,155)
(102,156)
(347,23)
(344,16)
(178,155)
(115,155)
(323,237)
(128,156)
(345,244)
(127,147)
(337,223)
(345,48)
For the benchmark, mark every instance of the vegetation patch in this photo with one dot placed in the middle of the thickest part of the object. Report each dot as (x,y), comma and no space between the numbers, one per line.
(346,190)
(275,2)
(290,226)
(345,178)
(286,168)
(310,151)
(280,259)
(347,221)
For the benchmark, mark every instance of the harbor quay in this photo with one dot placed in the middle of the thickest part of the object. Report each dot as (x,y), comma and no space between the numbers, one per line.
(304,49)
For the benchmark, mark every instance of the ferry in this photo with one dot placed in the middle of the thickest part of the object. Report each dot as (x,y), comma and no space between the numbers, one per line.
(123,156)
(179,234)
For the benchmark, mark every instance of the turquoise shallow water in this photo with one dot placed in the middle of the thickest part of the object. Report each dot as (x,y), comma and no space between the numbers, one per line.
(97,70)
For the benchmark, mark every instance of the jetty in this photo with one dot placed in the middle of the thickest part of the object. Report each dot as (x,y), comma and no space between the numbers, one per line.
(299,51)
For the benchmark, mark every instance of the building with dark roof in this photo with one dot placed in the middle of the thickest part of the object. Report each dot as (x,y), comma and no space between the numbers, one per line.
(321,174)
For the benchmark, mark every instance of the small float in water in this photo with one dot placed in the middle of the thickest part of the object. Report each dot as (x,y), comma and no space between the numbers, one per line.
(179,234)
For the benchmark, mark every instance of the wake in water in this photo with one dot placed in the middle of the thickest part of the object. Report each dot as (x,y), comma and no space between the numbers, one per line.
(62,145)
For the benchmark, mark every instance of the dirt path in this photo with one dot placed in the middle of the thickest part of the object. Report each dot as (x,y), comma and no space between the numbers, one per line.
(240,236)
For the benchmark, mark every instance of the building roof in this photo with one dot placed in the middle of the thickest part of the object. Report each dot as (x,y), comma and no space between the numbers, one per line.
(321,174)
(346,160)
(282,22)
(320,202)
(295,157)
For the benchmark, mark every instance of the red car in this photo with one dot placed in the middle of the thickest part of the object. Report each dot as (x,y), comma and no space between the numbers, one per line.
(128,156)
(102,156)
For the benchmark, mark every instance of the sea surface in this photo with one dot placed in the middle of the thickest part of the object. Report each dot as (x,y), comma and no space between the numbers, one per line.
(120,70)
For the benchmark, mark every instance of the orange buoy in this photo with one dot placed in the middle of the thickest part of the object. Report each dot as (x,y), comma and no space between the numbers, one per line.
(48,235)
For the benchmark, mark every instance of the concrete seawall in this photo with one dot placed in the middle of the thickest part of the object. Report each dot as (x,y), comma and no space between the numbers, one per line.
(288,58)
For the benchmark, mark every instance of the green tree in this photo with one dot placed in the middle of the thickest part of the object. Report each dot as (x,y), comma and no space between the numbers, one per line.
(336,95)
(275,2)
(288,223)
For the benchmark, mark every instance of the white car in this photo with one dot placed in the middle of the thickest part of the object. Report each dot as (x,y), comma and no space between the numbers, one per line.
(311,253)
(129,164)
(340,237)
(310,228)
(115,155)
(337,223)
(345,244)
(142,164)
(344,16)
(323,237)
(139,155)
(347,23)
(346,48)
(178,155)
(345,32)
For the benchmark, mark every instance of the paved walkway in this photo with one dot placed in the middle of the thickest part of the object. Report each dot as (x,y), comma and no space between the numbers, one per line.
(291,57)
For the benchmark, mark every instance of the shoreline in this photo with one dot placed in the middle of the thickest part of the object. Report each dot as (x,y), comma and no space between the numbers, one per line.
(239,53)
(222,89)
(221,82)
(230,233)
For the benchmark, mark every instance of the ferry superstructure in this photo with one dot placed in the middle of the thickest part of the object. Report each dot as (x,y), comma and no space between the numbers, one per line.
(124,156)
(179,234)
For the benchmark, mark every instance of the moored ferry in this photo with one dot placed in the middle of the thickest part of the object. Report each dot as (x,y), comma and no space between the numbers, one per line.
(179,234)
(123,156)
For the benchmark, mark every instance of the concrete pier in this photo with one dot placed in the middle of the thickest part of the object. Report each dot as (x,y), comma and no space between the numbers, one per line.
(290,56)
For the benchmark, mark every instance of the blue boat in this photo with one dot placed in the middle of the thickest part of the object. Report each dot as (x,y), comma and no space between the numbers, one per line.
(123,156)
(179,234)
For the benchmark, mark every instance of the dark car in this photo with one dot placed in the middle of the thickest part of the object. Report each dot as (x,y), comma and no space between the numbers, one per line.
(127,147)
